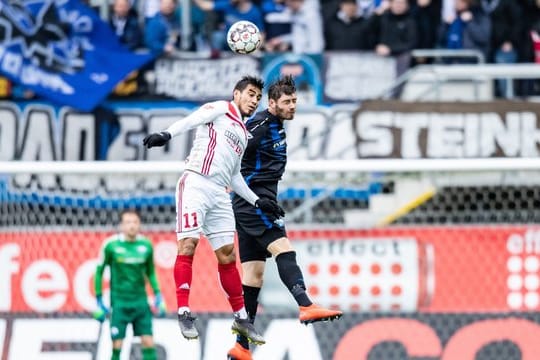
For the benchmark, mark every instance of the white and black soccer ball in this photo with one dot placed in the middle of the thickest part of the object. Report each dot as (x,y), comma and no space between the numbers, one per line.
(244,37)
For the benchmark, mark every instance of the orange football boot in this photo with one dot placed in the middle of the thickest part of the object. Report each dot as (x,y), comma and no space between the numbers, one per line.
(238,352)
(313,313)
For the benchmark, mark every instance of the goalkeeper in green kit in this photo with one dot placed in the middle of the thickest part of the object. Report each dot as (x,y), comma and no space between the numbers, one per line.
(130,258)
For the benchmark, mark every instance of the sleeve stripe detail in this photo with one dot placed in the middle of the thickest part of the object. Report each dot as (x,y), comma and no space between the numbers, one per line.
(210,151)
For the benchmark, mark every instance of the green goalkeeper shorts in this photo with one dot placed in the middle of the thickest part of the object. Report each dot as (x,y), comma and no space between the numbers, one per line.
(139,316)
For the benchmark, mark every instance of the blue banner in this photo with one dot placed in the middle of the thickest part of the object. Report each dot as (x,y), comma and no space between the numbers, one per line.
(63,51)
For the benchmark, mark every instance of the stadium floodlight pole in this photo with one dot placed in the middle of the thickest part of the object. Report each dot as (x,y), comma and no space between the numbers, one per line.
(313,166)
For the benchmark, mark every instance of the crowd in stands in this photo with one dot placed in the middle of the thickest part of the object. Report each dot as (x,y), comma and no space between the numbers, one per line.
(501,29)
(504,31)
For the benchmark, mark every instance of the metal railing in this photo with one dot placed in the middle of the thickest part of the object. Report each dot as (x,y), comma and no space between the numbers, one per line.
(476,74)
(448,54)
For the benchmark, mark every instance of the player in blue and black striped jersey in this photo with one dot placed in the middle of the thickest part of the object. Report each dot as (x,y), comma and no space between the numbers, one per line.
(260,235)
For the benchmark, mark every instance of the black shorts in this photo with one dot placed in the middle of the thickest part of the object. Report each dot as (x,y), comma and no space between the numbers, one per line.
(255,229)
(254,236)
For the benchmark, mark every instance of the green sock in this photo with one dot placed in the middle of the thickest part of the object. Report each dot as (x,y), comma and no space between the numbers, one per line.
(149,353)
(115,354)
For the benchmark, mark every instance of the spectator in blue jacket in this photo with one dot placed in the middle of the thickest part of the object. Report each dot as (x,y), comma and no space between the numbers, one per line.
(278,25)
(162,32)
(469,29)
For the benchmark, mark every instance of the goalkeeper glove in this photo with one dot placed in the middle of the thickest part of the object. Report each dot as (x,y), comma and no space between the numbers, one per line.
(159,305)
(156,139)
(270,207)
(101,313)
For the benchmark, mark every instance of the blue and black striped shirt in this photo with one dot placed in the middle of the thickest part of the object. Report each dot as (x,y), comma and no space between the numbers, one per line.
(265,157)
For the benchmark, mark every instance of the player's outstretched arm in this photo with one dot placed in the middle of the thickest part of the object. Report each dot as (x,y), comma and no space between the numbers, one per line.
(267,206)
(240,187)
(205,114)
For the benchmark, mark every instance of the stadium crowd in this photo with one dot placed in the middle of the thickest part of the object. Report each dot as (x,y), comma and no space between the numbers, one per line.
(504,31)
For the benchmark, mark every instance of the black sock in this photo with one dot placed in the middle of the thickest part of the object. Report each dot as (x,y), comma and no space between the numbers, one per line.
(251,302)
(292,277)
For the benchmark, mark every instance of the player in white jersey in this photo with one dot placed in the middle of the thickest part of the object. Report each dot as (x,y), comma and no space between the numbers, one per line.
(203,204)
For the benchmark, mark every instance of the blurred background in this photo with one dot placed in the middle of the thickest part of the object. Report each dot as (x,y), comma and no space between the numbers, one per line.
(412,191)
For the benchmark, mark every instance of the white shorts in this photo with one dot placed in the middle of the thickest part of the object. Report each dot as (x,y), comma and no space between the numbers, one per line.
(203,207)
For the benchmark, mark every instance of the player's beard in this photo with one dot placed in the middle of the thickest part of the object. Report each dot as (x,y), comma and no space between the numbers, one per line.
(284,114)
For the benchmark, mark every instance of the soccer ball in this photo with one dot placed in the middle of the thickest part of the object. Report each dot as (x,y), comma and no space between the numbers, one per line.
(244,37)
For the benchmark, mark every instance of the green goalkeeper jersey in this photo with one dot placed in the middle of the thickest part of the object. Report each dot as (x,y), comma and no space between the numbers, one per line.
(130,262)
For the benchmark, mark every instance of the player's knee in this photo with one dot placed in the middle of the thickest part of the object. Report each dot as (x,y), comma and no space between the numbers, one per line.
(147,341)
(254,279)
(250,281)
(226,254)
(187,246)
(253,273)
(258,275)
(280,246)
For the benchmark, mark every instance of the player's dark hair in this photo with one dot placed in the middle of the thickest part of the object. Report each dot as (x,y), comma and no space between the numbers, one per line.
(129,211)
(283,86)
(249,80)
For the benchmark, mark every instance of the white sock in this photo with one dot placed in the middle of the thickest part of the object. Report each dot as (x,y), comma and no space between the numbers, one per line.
(242,314)
(182,309)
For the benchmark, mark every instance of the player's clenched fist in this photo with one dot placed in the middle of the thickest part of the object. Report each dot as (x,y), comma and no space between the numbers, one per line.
(156,139)
(270,207)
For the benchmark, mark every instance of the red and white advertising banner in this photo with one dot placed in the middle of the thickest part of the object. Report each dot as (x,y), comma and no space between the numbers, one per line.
(405,269)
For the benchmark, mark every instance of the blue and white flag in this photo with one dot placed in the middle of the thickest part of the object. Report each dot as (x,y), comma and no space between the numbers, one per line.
(63,51)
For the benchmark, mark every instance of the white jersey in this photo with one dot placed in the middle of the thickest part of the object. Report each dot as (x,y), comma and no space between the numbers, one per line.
(220,141)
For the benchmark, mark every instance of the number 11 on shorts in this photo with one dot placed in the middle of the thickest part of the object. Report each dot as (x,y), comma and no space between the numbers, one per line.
(187,225)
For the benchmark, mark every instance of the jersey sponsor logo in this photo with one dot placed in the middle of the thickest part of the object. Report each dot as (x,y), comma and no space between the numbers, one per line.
(232,137)
(234,142)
